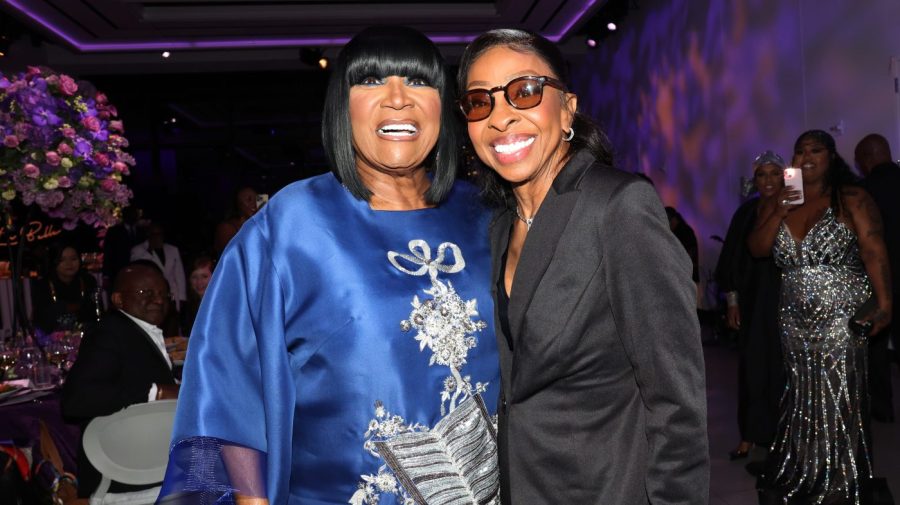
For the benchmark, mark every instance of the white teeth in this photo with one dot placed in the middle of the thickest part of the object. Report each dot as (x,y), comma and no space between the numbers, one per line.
(398,130)
(515,146)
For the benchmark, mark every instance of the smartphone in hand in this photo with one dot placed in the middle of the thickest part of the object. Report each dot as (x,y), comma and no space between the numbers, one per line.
(793,179)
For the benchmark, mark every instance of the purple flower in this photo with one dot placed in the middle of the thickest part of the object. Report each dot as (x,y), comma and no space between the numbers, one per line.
(11,141)
(82,148)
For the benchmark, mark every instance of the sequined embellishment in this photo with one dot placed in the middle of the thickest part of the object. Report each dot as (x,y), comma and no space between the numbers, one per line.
(819,452)
(445,324)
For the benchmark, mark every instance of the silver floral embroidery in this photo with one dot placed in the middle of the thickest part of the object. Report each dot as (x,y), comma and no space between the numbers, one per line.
(445,324)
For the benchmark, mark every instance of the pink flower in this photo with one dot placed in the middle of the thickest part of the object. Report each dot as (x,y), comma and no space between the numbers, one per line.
(101,159)
(91,123)
(68,132)
(109,185)
(32,71)
(65,182)
(53,80)
(100,98)
(120,167)
(52,158)
(31,170)
(116,125)
(102,114)
(64,149)
(11,141)
(67,85)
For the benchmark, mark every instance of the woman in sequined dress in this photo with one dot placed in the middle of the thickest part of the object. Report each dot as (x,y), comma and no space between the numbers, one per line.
(833,259)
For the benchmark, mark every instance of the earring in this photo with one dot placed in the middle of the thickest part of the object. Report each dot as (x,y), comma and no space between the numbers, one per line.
(570,135)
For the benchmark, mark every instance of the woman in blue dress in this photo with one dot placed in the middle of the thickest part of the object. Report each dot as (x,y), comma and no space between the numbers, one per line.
(347,329)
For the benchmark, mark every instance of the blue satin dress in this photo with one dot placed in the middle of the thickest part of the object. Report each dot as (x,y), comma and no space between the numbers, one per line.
(329,326)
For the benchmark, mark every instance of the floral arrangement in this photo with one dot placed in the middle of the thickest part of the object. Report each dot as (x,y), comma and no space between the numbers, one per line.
(63,149)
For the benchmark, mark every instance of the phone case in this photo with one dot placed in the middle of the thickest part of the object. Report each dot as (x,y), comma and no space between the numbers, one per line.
(793,178)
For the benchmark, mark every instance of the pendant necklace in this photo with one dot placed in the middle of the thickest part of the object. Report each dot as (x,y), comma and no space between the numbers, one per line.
(526,220)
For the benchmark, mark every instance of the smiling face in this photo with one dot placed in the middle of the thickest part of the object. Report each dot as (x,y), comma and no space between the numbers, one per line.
(520,144)
(813,157)
(769,179)
(395,122)
(200,280)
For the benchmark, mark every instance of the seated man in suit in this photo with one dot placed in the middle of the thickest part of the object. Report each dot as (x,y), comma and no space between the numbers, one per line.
(122,362)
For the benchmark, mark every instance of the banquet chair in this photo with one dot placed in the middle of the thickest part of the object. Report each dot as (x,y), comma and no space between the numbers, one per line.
(131,447)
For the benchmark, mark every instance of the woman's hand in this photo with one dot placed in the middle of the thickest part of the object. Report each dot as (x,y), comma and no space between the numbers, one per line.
(733,317)
(876,320)
(782,202)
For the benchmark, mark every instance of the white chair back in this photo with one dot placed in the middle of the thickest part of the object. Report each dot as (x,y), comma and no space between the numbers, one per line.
(131,447)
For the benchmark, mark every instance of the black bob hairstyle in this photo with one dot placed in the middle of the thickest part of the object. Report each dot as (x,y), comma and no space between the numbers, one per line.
(383,51)
(588,136)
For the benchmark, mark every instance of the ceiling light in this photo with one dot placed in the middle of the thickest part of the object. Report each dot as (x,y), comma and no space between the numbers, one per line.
(591,42)
(323,63)
(166,54)
(611,26)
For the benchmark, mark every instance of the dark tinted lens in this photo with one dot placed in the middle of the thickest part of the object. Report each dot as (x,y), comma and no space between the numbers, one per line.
(476,105)
(525,93)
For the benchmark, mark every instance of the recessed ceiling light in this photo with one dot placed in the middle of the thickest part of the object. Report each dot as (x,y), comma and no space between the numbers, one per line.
(612,26)
(166,54)
(591,42)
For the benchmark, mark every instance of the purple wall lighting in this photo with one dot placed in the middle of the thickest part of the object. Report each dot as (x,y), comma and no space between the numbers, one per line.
(244,43)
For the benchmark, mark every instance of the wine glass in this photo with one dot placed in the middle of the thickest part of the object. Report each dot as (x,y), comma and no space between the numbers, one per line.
(7,361)
(29,357)
(58,355)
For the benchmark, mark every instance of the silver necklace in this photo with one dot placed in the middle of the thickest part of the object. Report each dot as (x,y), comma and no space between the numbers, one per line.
(526,220)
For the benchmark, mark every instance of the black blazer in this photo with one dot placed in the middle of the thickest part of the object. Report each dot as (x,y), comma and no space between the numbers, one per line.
(117,363)
(603,397)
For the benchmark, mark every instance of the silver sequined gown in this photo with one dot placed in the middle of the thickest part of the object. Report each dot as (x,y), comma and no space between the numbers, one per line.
(820,454)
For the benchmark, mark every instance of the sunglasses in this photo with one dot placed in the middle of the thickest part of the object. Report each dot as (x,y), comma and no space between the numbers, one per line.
(521,93)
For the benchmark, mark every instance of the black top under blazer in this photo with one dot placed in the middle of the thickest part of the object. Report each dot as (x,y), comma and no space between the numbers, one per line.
(603,398)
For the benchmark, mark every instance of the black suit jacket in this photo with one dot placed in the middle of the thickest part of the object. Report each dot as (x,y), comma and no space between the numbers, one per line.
(117,363)
(603,397)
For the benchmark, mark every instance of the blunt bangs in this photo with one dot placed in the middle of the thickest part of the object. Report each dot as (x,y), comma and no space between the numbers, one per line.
(406,61)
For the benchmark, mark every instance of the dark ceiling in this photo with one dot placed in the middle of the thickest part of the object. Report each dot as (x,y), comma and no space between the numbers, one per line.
(119,36)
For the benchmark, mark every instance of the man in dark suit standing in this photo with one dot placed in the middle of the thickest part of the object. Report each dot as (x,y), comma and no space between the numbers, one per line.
(123,362)
(882,181)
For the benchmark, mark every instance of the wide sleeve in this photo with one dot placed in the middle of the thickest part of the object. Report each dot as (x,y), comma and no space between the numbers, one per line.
(232,434)
(654,307)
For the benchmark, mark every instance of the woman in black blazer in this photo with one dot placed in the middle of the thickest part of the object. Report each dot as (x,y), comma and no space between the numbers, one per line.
(602,369)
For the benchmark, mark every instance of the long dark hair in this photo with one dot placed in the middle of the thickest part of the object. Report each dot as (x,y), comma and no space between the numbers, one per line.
(839,173)
(588,135)
(382,51)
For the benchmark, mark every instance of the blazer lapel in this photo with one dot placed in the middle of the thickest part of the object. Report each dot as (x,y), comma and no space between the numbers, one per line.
(543,238)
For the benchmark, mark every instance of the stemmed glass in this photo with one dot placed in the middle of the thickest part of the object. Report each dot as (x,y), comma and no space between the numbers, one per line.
(58,354)
(29,357)
(7,360)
